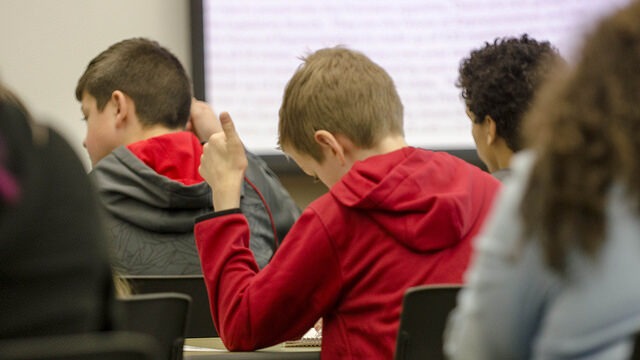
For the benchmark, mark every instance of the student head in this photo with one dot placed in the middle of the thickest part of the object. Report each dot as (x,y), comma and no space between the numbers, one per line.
(9,99)
(498,82)
(12,112)
(585,130)
(133,86)
(70,290)
(338,100)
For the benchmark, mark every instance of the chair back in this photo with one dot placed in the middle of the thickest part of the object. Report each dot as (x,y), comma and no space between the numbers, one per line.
(635,354)
(199,323)
(161,315)
(115,345)
(425,310)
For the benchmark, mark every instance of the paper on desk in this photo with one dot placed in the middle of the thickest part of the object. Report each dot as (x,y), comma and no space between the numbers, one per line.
(312,334)
(199,348)
(310,338)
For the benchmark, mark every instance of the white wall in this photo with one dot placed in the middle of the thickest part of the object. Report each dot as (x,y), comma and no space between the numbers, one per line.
(45,45)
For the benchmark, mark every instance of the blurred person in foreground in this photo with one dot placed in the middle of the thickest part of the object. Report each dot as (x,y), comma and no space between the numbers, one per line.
(556,267)
(55,273)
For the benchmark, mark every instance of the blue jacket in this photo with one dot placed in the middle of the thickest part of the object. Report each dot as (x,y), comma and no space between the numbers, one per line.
(514,307)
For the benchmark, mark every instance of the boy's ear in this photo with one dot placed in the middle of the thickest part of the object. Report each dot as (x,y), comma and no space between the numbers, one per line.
(490,128)
(121,107)
(330,145)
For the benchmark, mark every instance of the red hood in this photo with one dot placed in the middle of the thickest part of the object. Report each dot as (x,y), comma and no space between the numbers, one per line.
(425,200)
(174,155)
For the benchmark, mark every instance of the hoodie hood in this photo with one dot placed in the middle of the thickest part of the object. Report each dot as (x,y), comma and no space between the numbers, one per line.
(423,199)
(134,192)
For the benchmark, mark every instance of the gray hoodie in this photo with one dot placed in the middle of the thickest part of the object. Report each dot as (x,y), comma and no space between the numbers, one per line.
(152,217)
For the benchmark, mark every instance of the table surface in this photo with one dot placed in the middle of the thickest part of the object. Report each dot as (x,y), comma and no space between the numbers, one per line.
(212,348)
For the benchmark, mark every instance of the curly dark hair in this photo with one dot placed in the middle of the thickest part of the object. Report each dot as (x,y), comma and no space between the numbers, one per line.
(500,78)
(585,130)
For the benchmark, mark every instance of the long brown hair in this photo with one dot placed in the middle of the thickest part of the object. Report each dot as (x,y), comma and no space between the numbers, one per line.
(585,130)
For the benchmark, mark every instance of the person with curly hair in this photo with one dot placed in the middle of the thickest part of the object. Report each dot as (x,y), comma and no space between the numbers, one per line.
(555,272)
(498,82)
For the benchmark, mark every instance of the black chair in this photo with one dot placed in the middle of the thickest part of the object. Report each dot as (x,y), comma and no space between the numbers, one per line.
(635,354)
(199,323)
(425,310)
(161,315)
(90,346)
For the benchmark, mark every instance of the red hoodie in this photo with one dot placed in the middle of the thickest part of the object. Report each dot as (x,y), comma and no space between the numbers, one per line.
(175,155)
(394,221)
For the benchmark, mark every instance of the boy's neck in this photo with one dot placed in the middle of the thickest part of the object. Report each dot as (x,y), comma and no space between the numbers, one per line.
(501,156)
(141,133)
(386,145)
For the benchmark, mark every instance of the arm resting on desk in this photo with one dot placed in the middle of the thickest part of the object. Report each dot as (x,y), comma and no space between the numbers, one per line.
(252,309)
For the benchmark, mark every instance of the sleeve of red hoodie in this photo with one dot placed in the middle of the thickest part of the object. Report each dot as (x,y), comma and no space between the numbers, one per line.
(252,309)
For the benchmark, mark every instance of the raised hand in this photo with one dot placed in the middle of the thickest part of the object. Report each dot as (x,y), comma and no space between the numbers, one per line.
(223,164)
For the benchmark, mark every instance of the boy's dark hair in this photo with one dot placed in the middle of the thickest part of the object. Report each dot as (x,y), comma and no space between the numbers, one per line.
(500,79)
(146,72)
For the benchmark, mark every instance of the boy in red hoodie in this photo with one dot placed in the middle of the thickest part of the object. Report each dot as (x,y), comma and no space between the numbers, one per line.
(395,217)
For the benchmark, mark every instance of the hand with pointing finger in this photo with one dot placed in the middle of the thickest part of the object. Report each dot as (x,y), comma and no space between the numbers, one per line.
(223,164)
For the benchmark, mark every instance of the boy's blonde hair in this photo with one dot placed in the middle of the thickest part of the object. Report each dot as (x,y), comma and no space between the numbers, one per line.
(343,92)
